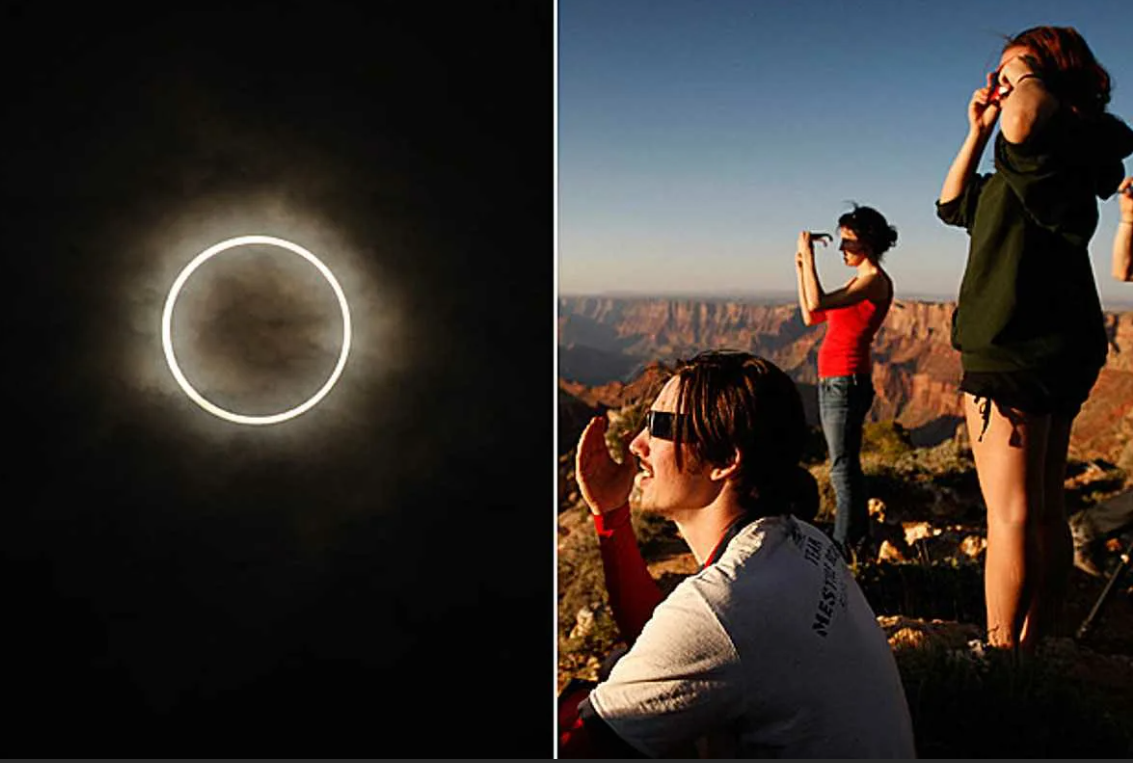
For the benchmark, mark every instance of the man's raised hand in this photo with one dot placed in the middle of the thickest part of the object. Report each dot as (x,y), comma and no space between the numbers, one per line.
(605,484)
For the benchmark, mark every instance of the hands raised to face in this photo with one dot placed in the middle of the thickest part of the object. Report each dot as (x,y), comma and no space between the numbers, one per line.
(1125,199)
(983,109)
(605,484)
(807,239)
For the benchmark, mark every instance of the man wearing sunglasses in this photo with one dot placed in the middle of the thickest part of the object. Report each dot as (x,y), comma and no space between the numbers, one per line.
(771,649)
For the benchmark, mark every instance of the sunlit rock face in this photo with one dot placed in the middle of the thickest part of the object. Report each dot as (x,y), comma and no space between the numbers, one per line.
(257,330)
(605,343)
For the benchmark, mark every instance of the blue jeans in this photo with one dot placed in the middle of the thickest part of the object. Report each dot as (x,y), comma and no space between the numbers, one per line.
(843,402)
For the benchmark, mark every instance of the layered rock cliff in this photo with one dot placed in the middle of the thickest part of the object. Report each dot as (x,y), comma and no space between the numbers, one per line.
(605,342)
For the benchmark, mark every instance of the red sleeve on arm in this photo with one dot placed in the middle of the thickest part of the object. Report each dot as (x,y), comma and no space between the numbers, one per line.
(633,592)
(817,316)
(583,733)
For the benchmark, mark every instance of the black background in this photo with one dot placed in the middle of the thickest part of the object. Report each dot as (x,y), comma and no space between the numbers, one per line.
(374,577)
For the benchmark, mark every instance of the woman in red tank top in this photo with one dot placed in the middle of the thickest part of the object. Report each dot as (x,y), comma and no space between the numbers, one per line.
(853,314)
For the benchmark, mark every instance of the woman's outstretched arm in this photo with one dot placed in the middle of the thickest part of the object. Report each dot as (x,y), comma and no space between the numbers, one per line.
(1123,239)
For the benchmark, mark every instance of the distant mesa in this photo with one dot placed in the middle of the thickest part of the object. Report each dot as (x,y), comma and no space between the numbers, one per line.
(607,345)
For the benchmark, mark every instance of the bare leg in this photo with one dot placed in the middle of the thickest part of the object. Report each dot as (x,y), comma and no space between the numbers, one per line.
(1053,541)
(1009,461)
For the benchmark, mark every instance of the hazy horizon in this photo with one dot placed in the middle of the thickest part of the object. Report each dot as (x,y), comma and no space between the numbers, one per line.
(1111,304)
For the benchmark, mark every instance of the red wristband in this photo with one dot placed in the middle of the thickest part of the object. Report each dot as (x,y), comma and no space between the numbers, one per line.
(608,522)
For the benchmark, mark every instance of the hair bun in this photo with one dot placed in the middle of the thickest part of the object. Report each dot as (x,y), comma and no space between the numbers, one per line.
(802,494)
(792,490)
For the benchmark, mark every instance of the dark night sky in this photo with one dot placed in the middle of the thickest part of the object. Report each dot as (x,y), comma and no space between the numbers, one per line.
(176,585)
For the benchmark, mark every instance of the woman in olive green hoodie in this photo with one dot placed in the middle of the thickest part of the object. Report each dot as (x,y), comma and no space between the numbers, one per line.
(1029,324)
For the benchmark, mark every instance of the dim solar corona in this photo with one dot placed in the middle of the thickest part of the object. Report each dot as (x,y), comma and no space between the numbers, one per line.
(167,325)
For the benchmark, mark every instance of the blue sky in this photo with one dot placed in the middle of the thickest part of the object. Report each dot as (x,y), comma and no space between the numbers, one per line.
(696,138)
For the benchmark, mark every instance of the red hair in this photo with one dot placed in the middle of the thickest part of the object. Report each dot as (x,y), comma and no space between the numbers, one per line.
(1067,66)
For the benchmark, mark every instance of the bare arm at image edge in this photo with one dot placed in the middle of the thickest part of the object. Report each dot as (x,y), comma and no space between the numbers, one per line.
(1123,239)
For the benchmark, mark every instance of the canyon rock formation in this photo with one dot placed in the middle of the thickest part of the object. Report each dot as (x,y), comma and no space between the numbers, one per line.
(609,348)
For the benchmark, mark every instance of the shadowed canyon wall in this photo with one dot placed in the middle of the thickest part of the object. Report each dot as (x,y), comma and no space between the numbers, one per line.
(604,343)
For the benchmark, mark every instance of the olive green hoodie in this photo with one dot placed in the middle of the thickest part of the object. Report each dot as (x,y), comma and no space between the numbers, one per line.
(1028,299)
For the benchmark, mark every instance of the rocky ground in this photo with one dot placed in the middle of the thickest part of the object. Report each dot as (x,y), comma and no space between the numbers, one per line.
(924,580)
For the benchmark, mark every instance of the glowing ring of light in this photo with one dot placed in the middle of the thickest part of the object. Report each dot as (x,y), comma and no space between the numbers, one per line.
(167,325)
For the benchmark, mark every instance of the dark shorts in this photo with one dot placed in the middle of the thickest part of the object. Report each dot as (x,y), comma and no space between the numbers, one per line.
(1058,390)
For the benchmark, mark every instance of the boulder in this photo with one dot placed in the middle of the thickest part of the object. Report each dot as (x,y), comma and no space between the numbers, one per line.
(877,509)
(915,531)
(973,546)
(889,552)
(905,632)
(583,623)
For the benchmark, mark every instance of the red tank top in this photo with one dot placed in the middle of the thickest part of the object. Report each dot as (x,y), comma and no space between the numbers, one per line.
(849,333)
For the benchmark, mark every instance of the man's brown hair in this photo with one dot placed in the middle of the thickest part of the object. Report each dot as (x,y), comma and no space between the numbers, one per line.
(736,401)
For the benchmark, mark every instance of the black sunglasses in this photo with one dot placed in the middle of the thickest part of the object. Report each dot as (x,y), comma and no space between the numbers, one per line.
(663,425)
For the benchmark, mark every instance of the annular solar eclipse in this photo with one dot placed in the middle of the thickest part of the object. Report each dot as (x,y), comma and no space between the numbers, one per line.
(167,330)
